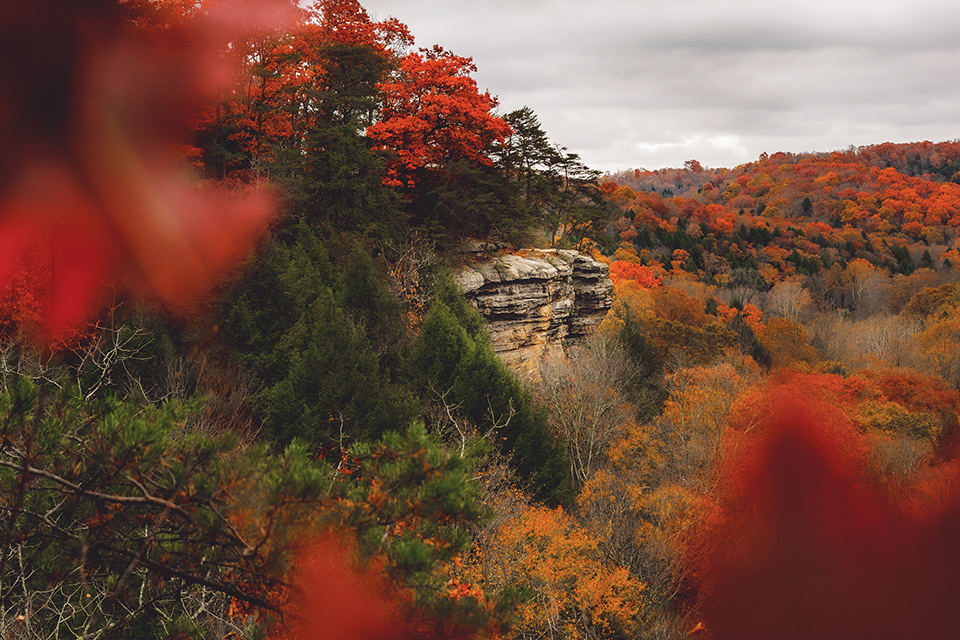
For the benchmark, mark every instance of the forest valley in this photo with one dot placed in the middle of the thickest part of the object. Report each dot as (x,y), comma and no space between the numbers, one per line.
(242,397)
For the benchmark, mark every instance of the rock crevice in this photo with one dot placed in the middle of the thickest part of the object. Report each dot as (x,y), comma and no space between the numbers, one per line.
(537,300)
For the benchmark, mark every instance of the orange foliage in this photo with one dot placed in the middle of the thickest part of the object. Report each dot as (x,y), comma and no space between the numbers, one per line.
(913,390)
(699,410)
(680,256)
(676,305)
(787,342)
(622,271)
(722,226)
(752,316)
(576,592)
(809,193)
(632,304)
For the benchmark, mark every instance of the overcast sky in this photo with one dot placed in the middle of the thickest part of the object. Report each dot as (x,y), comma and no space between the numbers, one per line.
(653,83)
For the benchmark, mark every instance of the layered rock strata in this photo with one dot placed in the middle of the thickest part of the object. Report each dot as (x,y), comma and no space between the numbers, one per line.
(537,300)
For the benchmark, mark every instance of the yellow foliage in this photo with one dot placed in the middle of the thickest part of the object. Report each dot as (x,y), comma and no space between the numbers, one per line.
(678,509)
(597,255)
(698,409)
(576,594)
(896,419)
(787,342)
(632,304)
(939,348)
(636,449)
(613,503)
(701,397)
(626,253)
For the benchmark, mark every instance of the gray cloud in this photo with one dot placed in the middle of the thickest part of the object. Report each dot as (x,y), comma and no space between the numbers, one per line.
(653,83)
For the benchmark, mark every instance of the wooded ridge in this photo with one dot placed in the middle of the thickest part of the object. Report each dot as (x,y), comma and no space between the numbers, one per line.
(252,385)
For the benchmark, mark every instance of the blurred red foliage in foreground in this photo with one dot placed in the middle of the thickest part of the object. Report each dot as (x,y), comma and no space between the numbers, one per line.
(333,600)
(94,190)
(809,549)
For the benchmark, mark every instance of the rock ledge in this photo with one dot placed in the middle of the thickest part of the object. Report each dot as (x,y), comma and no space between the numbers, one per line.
(536,300)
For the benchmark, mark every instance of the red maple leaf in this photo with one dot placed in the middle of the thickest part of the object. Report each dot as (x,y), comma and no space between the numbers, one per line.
(810,549)
(98,96)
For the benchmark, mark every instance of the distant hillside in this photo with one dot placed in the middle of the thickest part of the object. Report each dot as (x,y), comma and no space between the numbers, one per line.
(895,206)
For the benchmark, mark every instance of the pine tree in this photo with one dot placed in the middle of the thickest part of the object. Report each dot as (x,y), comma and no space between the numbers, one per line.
(454,360)
(323,342)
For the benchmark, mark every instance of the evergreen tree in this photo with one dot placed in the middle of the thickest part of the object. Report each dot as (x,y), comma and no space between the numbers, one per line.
(643,240)
(645,383)
(115,514)
(323,342)
(469,201)
(454,360)
(748,341)
(120,523)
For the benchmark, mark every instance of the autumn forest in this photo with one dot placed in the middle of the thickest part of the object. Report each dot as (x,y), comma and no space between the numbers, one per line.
(243,396)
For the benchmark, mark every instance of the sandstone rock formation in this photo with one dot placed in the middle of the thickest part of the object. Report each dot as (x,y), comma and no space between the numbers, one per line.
(536,300)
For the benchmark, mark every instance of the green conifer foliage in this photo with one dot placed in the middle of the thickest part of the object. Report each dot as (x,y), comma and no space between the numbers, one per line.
(323,341)
(454,359)
(117,519)
(338,185)
(644,381)
(411,502)
(112,513)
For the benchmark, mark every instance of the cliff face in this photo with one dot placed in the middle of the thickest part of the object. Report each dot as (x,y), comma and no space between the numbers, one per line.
(537,299)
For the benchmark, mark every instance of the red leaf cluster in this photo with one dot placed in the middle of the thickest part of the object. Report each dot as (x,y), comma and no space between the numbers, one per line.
(433,113)
(332,600)
(98,98)
(809,550)
(622,271)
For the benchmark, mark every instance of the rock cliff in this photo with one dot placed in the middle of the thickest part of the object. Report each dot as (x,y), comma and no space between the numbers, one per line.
(536,300)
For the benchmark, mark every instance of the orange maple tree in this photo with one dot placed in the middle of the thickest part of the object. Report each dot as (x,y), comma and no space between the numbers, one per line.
(434,114)
(575,591)
(622,271)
